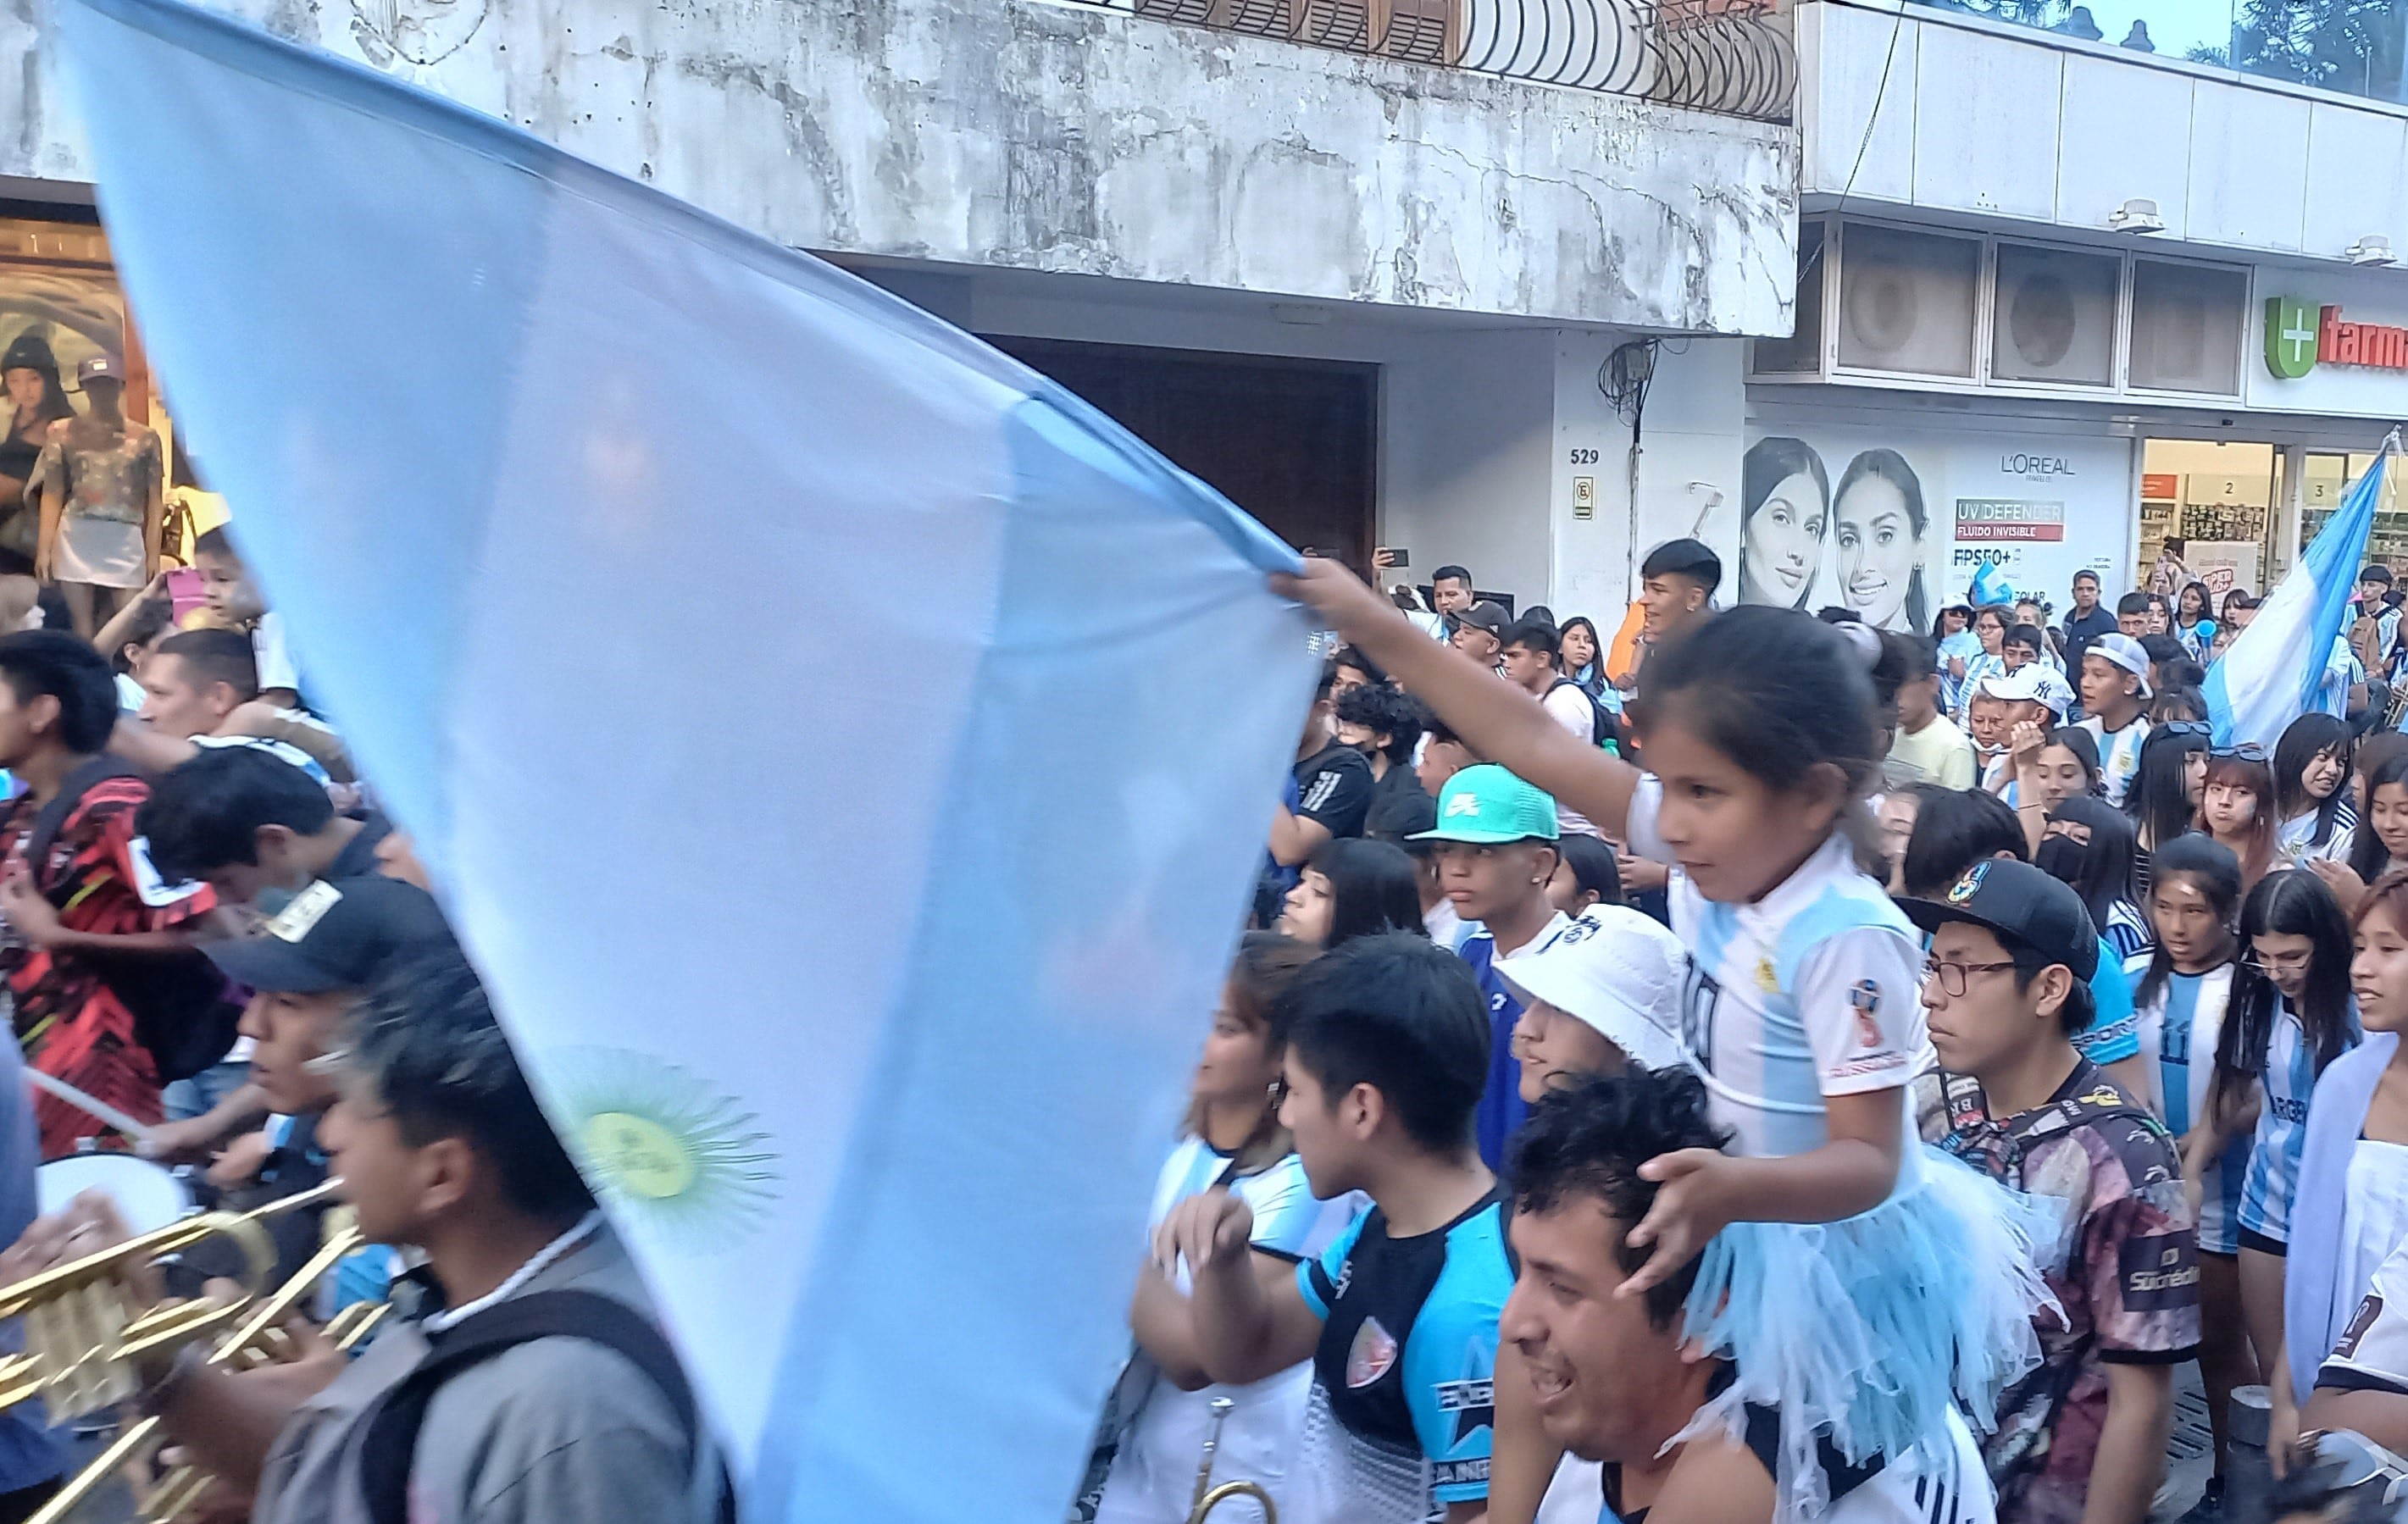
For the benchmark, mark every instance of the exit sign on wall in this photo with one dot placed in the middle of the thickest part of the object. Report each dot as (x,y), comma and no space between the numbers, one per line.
(2300,337)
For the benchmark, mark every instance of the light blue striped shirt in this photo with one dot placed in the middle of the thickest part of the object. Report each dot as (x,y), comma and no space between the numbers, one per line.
(2282,1136)
(1808,992)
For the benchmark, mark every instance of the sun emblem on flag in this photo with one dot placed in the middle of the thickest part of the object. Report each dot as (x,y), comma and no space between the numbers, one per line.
(677,1158)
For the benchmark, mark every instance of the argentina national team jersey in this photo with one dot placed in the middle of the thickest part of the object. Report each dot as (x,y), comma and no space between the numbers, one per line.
(2180,1027)
(2281,1135)
(2371,1354)
(1403,1393)
(2119,756)
(1811,990)
(1953,1487)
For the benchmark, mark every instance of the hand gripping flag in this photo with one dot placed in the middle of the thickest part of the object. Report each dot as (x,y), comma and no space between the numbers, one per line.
(846,754)
(2273,671)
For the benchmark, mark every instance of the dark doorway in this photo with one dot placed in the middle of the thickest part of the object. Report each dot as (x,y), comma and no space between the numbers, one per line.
(1290,441)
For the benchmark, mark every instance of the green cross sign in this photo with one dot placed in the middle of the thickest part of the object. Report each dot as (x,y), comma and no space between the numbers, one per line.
(2290,337)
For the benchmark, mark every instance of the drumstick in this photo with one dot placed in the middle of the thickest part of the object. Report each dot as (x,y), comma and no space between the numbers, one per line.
(138,1132)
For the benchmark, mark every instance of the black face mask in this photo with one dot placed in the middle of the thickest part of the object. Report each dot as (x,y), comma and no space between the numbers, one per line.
(2061,857)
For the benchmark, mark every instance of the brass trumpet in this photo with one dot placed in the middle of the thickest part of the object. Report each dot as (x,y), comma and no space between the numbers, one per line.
(1209,1497)
(82,1337)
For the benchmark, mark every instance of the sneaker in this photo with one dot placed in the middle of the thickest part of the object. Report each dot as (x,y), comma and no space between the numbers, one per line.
(2210,1507)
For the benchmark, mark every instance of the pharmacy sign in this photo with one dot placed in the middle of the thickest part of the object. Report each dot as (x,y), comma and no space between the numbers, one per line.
(2300,337)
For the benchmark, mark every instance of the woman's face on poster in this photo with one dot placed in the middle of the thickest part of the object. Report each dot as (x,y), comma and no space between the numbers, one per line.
(1784,543)
(1879,550)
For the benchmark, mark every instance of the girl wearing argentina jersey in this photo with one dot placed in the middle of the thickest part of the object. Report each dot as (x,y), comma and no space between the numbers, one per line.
(1234,1141)
(2291,1016)
(2183,991)
(1858,1286)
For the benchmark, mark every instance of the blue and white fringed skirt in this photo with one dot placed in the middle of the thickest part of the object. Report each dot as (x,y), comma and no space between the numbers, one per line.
(1866,1332)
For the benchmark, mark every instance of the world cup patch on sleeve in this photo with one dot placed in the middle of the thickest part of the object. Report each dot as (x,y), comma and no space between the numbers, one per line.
(1865,999)
(2346,1348)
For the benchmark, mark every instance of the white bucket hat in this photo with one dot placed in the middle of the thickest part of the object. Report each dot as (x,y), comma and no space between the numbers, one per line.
(1615,970)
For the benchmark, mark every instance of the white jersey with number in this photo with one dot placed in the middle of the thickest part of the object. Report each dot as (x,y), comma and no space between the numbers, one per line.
(2372,1351)
(1811,991)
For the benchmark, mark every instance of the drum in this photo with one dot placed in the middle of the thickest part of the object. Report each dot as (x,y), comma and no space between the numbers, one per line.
(149,1196)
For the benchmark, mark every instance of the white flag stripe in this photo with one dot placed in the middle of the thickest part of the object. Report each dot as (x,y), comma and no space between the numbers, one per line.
(846,755)
(2271,673)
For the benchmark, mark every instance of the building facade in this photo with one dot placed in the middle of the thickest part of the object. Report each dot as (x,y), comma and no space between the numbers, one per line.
(2067,296)
(1418,273)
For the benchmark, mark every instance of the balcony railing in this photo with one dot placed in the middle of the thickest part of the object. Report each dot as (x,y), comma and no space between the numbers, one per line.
(1730,56)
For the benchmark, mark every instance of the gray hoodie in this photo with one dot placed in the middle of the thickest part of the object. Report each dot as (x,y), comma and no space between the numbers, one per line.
(552,1429)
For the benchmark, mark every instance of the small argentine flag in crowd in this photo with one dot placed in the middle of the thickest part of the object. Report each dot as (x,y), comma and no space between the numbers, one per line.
(1989,585)
(846,754)
(2272,672)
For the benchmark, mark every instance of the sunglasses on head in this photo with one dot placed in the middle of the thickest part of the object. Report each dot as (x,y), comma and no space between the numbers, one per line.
(2246,752)
(2186,727)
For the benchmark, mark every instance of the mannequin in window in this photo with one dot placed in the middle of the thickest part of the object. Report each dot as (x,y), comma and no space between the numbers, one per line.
(101,478)
(31,400)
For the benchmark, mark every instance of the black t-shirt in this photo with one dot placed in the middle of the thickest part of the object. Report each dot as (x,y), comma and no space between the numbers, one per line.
(1400,780)
(2080,631)
(358,859)
(1333,787)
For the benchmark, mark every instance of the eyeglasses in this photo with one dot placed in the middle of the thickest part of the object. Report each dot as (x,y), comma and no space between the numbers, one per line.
(2290,962)
(1952,977)
(2246,752)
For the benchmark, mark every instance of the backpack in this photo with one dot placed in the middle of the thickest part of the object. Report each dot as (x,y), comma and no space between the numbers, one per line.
(390,1443)
(181,1012)
(1601,728)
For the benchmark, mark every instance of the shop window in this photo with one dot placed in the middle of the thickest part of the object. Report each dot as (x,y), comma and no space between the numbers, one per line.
(2056,316)
(2327,479)
(1801,354)
(1906,300)
(2186,327)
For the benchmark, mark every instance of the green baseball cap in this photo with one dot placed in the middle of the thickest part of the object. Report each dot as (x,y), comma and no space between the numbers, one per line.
(1488,805)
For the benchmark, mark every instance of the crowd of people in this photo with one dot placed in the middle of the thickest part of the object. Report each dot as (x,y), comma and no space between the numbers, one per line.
(221,956)
(1755,1067)
(1745,1067)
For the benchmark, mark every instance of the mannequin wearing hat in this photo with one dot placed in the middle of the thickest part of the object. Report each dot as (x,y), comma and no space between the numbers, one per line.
(101,479)
(35,400)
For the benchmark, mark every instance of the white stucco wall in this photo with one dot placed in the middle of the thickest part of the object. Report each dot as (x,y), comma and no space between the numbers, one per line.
(1067,138)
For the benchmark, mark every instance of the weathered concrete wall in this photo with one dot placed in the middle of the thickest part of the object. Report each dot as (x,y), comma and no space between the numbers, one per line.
(1067,138)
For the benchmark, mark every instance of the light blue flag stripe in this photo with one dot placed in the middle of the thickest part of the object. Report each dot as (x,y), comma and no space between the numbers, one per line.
(846,754)
(2270,675)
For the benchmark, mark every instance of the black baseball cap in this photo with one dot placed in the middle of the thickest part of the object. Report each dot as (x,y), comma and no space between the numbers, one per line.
(2022,904)
(336,935)
(1487,616)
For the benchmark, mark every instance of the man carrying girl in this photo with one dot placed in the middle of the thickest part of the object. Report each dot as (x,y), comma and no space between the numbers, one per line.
(1859,1286)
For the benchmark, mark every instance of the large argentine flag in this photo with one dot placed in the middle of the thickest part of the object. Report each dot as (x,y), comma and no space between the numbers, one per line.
(846,753)
(2271,673)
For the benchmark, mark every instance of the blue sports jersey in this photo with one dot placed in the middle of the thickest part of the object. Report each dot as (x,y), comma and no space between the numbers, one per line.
(1408,1358)
(1501,1108)
(2113,1034)
(2282,1136)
